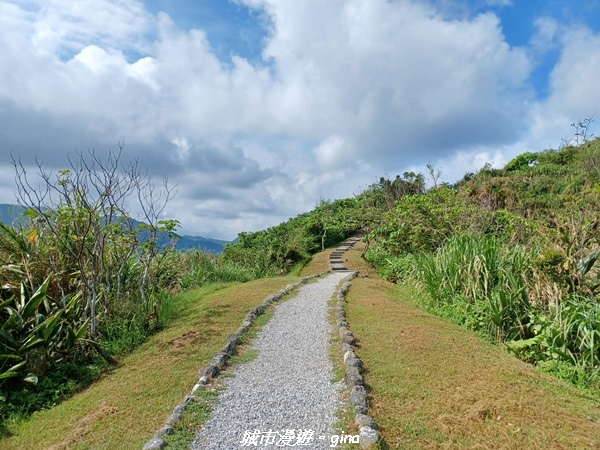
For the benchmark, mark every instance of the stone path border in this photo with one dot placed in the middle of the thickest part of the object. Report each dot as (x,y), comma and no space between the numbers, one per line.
(218,361)
(354,380)
(352,364)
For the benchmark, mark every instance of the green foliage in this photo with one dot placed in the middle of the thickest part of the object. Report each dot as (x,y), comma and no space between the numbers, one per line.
(35,330)
(511,253)
(199,268)
(64,380)
(278,249)
(426,222)
(392,268)
(570,334)
(523,161)
(490,277)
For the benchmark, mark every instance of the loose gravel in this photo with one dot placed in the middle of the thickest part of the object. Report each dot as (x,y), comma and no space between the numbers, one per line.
(286,393)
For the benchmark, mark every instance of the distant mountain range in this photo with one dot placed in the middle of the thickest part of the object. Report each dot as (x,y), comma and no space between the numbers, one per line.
(13,214)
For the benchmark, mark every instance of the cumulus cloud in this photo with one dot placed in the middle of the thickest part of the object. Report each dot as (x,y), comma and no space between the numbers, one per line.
(572,94)
(546,35)
(393,77)
(346,91)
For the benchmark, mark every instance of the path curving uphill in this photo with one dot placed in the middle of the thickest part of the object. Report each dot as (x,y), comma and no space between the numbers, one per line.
(336,261)
(286,392)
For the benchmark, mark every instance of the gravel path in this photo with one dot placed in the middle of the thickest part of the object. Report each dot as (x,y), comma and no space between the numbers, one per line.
(285,396)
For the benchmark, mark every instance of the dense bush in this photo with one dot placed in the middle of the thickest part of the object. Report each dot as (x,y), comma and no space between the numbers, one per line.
(510,253)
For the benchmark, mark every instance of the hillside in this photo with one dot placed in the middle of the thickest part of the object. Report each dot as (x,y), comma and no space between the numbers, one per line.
(509,254)
(431,384)
(11,214)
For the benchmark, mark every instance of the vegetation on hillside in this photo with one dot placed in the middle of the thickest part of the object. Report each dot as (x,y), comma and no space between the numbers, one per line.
(511,253)
(82,283)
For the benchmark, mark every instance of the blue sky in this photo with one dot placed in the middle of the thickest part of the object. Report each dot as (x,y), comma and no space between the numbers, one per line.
(231,27)
(260,108)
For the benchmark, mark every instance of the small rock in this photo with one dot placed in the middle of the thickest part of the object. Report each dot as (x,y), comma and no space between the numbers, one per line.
(219,360)
(348,338)
(229,347)
(368,437)
(363,420)
(355,362)
(179,409)
(348,355)
(269,299)
(358,398)
(155,444)
(173,419)
(353,377)
(209,372)
(164,431)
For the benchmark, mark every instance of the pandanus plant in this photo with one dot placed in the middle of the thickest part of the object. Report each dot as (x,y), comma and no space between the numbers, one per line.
(35,322)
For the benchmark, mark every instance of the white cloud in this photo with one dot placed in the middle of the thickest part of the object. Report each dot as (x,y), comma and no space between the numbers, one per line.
(333,152)
(348,91)
(392,76)
(546,35)
(66,25)
(499,2)
(572,89)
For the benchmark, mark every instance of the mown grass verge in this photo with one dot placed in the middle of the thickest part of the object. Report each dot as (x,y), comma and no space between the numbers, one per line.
(432,384)
(127,405)
(198,410)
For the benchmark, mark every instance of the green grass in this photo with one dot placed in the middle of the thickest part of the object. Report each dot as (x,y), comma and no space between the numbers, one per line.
(128,404)
(197,411)
(432,384)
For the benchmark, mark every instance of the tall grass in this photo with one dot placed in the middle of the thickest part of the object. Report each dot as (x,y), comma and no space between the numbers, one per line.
(199,268)
(575,331)
(486,278)
(484,284)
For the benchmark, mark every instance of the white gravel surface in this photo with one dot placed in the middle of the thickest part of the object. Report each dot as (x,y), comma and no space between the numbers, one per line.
(285,396)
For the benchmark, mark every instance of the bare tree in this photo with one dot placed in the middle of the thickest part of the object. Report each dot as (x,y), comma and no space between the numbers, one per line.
(434,173)
(153,204)
(83,209)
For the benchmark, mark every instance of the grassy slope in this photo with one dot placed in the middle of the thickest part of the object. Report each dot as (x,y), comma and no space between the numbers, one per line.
(435,385)
(126,407)
(431,384)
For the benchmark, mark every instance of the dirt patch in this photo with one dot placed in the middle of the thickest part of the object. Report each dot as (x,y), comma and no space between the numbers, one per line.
(189,338)
(80,428)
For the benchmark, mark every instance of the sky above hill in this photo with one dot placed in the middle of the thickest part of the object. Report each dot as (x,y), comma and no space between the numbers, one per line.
(257,109)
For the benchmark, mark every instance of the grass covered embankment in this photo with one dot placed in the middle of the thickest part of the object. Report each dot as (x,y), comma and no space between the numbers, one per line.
(432,384)
(124,408)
